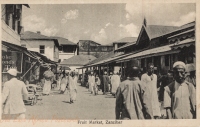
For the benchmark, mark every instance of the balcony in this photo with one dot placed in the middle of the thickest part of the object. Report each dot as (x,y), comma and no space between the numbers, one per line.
(9,35)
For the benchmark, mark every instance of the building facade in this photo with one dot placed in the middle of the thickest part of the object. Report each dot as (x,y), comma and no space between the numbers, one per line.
(67,49)
(88,47)
(160,45)
(37,42)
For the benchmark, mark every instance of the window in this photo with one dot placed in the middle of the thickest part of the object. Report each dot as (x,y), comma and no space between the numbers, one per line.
(24,45)
(42,48)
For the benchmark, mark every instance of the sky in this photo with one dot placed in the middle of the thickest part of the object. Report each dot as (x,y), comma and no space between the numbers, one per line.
(103,23)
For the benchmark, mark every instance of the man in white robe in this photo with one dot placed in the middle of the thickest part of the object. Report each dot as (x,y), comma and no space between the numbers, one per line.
(12,97)
(115,81)
(149,80)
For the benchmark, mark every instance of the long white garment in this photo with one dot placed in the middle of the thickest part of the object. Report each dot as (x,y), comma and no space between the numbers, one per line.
(152,86)
(47,87)
(64,82)
(115,81)
(12,97)
(72,88)
(91,83)
(75,86)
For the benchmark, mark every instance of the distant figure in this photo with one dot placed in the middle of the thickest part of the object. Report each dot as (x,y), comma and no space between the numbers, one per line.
(149,81)
(109,84)
(91,81)
(129,97)
(72,87)
(191,77)
(48,76)
(97,84)
(12,99)
(115,81)
(64,82)
(180,95)
(106,81)
(75,83)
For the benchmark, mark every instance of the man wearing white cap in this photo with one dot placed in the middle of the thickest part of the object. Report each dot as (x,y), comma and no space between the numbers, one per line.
(180,95)
(12,98)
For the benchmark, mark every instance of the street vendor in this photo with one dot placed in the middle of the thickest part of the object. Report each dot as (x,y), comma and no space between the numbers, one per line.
(48,75)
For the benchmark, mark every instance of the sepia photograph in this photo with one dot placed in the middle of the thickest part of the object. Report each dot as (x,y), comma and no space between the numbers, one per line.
(98,63)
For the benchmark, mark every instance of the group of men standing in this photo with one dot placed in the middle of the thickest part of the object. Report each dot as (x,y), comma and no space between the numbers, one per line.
(138,99)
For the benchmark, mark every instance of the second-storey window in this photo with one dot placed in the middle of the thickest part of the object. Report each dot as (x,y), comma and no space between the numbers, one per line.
(42,49)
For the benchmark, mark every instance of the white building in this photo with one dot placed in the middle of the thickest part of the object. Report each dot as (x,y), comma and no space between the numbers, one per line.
(37,42)
(67,48)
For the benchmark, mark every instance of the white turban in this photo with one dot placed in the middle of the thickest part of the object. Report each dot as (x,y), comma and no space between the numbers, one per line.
(115,72)
(12,72)
(179,63)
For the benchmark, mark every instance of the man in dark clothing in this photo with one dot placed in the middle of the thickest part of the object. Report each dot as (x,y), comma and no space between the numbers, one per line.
(106,81)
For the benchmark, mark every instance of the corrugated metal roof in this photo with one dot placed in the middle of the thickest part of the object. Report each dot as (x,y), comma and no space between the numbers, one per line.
(126,40)
(157,30)
(78,60)
(63,41)
(105,56)
(148,52)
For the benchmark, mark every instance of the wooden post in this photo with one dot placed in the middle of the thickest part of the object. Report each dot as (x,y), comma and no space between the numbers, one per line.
(99,70)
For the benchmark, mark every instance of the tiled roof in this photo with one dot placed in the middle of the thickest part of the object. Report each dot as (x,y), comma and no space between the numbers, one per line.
(28,35)
(89,41)
(64,41)
(126,40)
(78,60)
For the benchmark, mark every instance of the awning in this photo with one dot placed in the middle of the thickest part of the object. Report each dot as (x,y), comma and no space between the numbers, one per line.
(164,50)
(185,43)
(44,58)
(19,48)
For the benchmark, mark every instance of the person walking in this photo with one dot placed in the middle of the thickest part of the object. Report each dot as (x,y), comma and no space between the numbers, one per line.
(12,99)
(115,81)
(106,81)
(72,87)
(129,97)
(64,82)
(180,95)
(48,76)
(75,84)
(149,80)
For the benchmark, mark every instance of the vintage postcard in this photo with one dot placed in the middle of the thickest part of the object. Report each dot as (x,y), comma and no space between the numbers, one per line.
(94,63)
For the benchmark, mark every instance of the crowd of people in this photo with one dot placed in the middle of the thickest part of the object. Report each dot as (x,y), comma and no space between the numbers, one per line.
(106,83)
(142,98)
(148,95)
(138,96)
